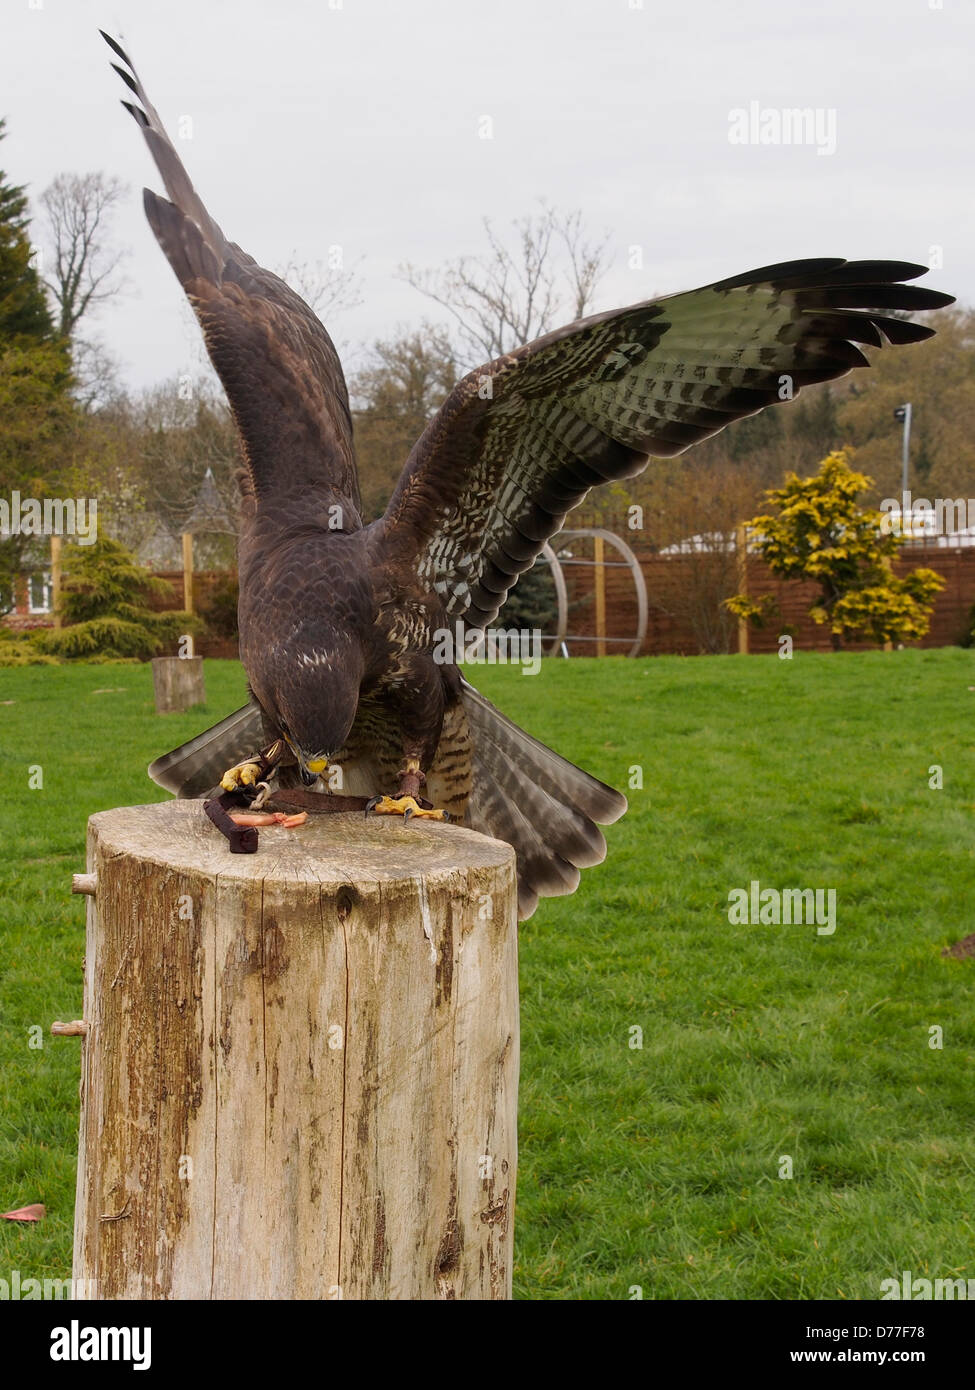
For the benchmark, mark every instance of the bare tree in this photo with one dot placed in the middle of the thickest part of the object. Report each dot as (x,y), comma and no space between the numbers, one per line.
(96,374)
(513,293)
(328,290)
(587,263)
(184,429)
(406,377)
(402,382)
(85,267)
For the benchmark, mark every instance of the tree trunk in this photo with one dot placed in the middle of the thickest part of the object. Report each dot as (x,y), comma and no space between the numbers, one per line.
(178,683)
(300,1071)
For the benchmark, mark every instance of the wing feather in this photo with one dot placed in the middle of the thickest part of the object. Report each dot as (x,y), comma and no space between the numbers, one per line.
(519,442)
(277,363)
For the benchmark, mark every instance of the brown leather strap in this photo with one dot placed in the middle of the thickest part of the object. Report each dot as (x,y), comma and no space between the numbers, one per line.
(242,838)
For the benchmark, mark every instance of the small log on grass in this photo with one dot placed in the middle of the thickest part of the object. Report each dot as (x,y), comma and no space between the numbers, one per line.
(300,1073)
(178,683)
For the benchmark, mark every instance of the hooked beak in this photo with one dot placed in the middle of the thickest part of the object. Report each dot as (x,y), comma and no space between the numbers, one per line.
(312,768)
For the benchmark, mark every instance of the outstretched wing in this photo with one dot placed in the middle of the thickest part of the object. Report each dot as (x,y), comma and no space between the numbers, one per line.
(519,442)
(278,365)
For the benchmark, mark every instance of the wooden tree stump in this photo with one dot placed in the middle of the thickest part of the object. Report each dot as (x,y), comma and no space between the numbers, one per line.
(178,683)
(300,1073)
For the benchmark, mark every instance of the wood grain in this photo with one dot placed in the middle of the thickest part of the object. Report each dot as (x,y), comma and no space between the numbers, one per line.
(177,683)
(300,1076)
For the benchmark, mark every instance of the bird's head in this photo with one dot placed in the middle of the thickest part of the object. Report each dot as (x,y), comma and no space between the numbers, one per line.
(316,707)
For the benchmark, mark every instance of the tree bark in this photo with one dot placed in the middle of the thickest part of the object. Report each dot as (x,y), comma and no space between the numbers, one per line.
(300,1072)
(178,683)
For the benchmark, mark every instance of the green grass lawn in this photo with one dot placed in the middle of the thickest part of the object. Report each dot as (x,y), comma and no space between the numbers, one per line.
(655,1166)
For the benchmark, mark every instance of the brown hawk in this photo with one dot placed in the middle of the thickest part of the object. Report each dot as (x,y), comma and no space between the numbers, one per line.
(339,621)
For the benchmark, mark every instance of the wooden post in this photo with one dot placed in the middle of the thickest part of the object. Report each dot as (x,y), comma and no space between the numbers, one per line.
(177,682)
(56,578)
(598,557)
(300,1073)
(741,563)
(188,571)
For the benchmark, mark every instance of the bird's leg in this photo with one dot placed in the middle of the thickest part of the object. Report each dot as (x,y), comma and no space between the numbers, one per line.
(255,769)
(420,710)
(407,803)
(411,779)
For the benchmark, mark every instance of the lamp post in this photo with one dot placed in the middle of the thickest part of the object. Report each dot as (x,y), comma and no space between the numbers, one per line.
(903,413)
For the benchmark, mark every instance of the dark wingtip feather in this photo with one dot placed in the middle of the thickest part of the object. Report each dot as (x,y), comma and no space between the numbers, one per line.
(127,78)
(779,271)
(900,331)
(116,48)
(825,272)
(865,272)
(901,270)
(938,299)
(872,296)
(136,113)
(848,273)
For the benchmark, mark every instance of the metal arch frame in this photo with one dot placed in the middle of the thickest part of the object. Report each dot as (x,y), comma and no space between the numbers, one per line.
(640,584)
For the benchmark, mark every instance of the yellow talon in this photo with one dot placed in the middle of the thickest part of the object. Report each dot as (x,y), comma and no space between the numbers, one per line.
(405,806)
(243,775)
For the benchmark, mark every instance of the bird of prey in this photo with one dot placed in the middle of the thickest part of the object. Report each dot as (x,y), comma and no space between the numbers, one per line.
(339,620)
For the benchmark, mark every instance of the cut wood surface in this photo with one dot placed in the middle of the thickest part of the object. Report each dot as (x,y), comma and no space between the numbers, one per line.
(300,1074)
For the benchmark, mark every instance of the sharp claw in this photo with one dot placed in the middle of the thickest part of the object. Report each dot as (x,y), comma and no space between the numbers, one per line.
(405,806)
(242,775)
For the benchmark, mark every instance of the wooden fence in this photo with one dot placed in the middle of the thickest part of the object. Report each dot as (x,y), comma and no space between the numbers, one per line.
(684,595)
(205,584)
(686,616)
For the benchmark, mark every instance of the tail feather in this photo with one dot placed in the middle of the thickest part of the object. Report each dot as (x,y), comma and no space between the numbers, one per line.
(540,803)
(559,777)
(541,871)
(195,768)
(541,864)
(566,830)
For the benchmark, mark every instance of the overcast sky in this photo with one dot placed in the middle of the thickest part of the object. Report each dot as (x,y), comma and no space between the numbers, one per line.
(359,124)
